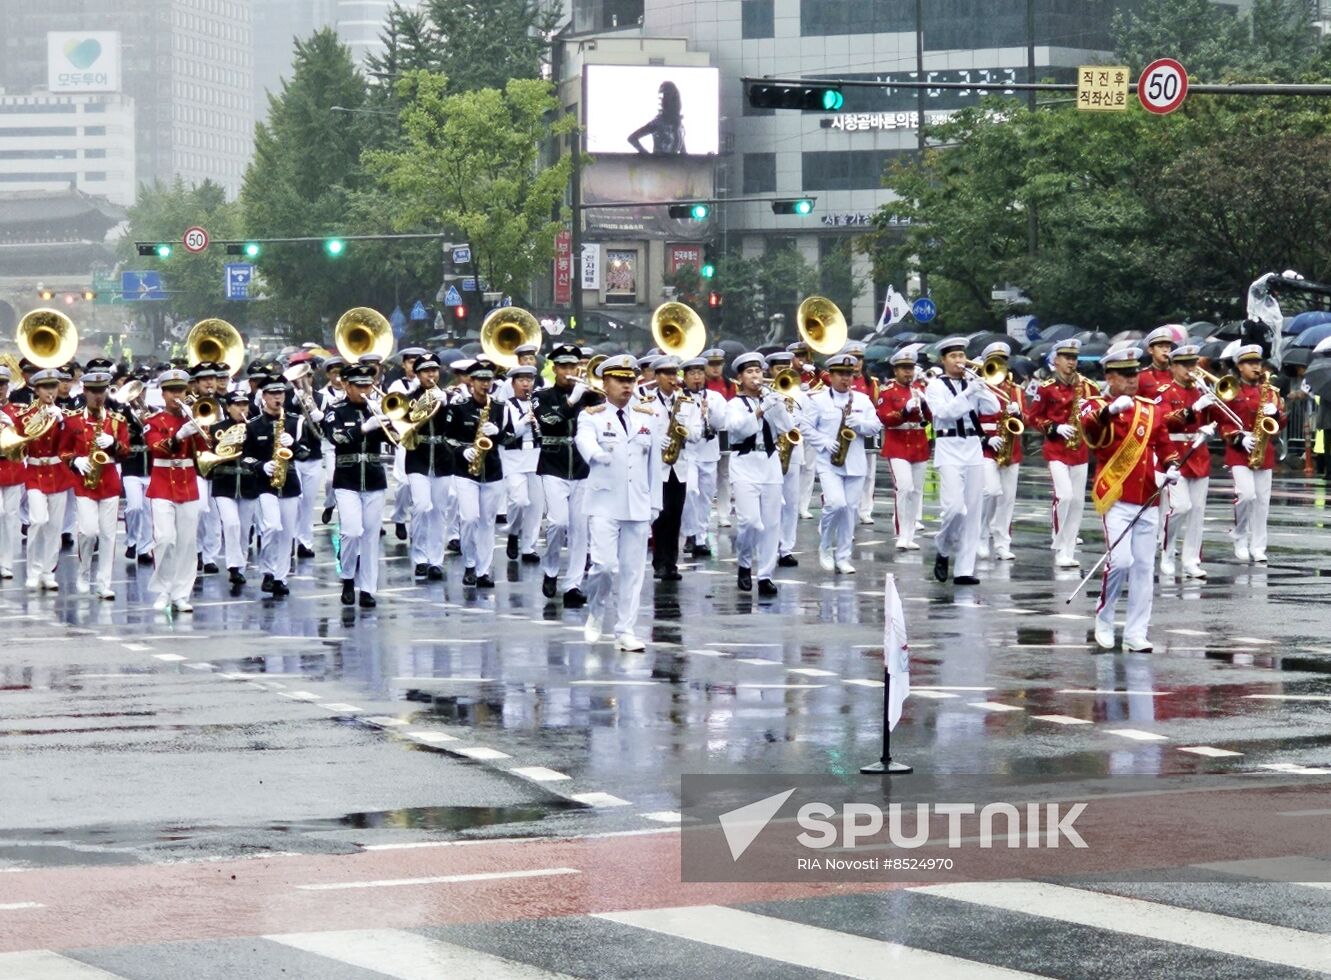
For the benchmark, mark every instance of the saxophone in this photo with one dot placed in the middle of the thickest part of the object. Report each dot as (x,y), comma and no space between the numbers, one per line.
(1074,414)
(281,454)
(676,433)
(844,437)
(1012,427)
(97,458)
(482,443)
(1263,428)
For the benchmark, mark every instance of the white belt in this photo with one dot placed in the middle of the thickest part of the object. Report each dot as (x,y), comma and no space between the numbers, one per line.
(173,464)
(1181,436)
(905,427)
(989,426)
(43,460)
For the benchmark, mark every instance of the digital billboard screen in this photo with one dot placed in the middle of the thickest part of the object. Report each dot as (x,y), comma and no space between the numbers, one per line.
(652,110)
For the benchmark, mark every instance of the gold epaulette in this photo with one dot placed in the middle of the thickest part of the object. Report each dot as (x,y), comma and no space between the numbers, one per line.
(644,409)
(71,412)
(592,410)
(1047,382)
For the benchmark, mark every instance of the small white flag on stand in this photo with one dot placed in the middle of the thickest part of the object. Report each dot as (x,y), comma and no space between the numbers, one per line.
(896,651)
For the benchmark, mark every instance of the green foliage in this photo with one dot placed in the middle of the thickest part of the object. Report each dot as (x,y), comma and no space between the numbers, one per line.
(194,282)
(484,43)
(468,162)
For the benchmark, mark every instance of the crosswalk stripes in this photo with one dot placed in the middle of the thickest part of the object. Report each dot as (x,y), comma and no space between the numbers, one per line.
(408,956)
(42,964)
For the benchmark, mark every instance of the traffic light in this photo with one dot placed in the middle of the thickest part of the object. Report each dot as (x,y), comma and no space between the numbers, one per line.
(459,313)
(713,299)
(801,206)
(708,268)
(160,249)
(89,295)
(46,294)
(250,250)
(695,211)
(812,98)
(335,247)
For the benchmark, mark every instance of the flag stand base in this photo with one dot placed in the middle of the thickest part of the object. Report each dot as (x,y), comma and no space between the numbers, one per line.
(885,766)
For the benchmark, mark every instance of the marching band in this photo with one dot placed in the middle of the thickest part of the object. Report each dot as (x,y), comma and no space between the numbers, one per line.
(610,457)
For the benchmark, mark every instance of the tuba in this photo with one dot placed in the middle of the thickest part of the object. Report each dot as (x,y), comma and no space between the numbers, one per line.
(48,338)
(678,330)
(31,424)
(505,330)
(217,341)
(362,331)
(822,325)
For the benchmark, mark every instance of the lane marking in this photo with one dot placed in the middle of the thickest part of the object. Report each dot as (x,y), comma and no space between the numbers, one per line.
(170,658)
(43,964)
(481,752)
(860,682)
(613,682)
(422,681)
(383,721)
(781,687)
(1209,752)
(431,737)
(1188,632)
(540,774)
(1078,690)
(16,906)
(439,880)
(409,956)
(301,696)
(811,672)
(349,708)
(940,687)
(934,695)
(1136,734)
(759,662)
(599,799)
(993,706)
(664,816)
(1061,719)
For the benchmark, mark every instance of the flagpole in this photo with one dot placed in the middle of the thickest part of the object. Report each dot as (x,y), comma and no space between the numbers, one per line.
(885,766)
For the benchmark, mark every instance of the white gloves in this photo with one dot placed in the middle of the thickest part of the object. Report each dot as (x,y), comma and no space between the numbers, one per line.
(1066,431)
(187,430)
(1206,401)
(1269,409)
(470,454)
(286,440)
(603,458)
(5,420)
(268,468)
(83,465)
(105,440)
(1249,440)
(1120,404)
(575,396)
(1013,408)
(489,429)
(996,443)
(372,423)
(913,404)
(1171,476)
(656,512)
(1208,429)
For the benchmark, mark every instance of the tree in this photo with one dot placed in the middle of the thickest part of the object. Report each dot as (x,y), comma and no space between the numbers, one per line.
(484,43)
(194,283)
(469,163)
(1207,38)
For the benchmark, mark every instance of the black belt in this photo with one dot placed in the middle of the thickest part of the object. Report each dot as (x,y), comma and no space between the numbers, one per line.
(355,459)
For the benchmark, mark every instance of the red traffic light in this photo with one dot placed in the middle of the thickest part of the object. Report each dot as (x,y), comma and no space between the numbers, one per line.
(460,312)
(714,299)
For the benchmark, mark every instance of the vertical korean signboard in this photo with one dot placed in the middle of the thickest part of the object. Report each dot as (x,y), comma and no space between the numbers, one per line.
(564,268)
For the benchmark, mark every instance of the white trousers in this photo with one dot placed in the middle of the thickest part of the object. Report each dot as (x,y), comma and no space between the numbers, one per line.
(908,494)
(359,516)
(961,496)
(175,548)
(1133,562)
(526,503)
(330,463)
(96,522)
(698,501)
(565,522)
(236,517)
(1252,505)
(138,514)
(401,489)
(277,524)
(478,505)
(836,524)
(1069,501)
(431,497)
(210,525)
(46,516)
(807,473)
(870,485)
(790,509)
(619,558)
(758,523)
(1000,500)
(310,472)
(11,499)
(1186,503)
(723,487)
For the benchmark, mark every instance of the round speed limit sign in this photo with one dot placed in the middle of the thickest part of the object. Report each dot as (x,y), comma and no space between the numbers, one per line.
(195,240)
(1163,86)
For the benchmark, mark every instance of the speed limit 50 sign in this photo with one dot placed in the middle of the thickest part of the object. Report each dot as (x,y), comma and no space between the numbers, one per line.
(1163,86)
(195,239)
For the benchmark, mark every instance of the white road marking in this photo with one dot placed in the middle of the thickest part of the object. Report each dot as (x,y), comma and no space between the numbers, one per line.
(338,706)
(423,681)
(1061,719)
(1152,920)
(431,737)
(812,947)
(482,752)
(408,956)
(599,799)
(1152,694)
(540,774)
(781,687)
(201,666)
(42,964)
(940,687)
(860,682)
(1137,734)
(16,906)
(1188,632)
(440,880)
(933,695)
(811,672)
(448,643)
(383,721)
(1255,640)
(612,682)
(1209,752)
(664,816)
(705,653)
(302,696)
(759,662)
(170,658)
(1288,697)
(993,706)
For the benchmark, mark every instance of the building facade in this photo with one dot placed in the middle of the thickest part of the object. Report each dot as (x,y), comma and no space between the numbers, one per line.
(56,142)
(360,23)
(277,24)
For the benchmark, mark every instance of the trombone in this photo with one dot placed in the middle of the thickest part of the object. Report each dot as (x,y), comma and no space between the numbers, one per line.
(993,372)
(1222,391)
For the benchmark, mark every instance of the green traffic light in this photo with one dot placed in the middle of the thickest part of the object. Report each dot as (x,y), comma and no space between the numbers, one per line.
(252,250)
(708,270)
(335,247)
(833,99)
(164,251)
(804,206)
(699,212)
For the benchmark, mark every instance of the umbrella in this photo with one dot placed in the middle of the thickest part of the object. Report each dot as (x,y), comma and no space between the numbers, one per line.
(1318,378)
(1092,337)
(1313,335)
(1212,349)
(1125,335)
(917,337)
(1227,331)
(1300,356)
(1060,331)
(980,341)
(1021,366)
(471,349)
(1311,318)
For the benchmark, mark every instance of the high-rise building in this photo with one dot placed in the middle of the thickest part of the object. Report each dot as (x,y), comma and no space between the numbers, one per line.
(277,25)
(361,22)
(57,142)
(186,64)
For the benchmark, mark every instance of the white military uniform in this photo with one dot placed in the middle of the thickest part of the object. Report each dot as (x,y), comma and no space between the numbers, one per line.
(841,485)
(402,492)
(956,405)
(325,398)
(755,475)
(705,455)
(526,500)
(792,480)
(622,446)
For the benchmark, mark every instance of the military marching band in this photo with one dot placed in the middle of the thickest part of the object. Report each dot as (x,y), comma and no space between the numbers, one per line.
(602,460)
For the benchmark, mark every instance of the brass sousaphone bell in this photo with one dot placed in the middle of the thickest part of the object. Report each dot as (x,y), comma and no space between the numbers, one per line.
(216,341)
(362,331)
(47,338)
(822,325)
(505,330)
(678,330)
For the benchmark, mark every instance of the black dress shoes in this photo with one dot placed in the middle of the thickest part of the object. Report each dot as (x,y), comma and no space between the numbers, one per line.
(574,599)
(327,517)
(512,549)
(434,573)
(348,592)
(485,582)
(469,576)
(267,584)
(549,586)
(941,567)
(966,580)
(788,561)
(367,601)
(745,580)
(280,590)
(766,587)
(421,569)
(235,576)
(401,531)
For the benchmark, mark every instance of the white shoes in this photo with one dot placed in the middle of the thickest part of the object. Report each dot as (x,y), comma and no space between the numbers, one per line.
(919,525)
(161,603)
(1259,557)
(866,520)
(825,560)
(1003,554)
(33,583)
(591,630)
(805,515)
(629,643)
(722,522)
(82,587)
(1066,561)
(1104,635)
(182,605)
(1137,644)
(1241,551)
(1193,571)
(107,594)
(845,568)
(1167,567)
(6,573)
(50,584)
(907,546)
(983,550)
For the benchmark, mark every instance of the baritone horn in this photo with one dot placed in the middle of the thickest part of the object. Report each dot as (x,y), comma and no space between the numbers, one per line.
(678,330)
(505,330)
(217,341)
(362,331)
(206,411)
(48,338)
(822,325)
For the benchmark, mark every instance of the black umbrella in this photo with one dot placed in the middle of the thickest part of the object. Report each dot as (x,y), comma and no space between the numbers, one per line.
(1298,357)
(1059,331)
(1318,378)
(1212,349)
(1021,366)
(980,341)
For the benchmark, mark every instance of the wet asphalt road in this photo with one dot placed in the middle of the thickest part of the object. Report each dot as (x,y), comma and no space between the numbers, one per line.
(254,726)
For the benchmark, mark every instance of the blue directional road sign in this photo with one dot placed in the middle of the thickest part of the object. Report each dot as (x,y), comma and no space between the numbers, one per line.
(462,255)
(139,286)
(239,275)
(469,284)
(418,311)
(923,310)
(452,297)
